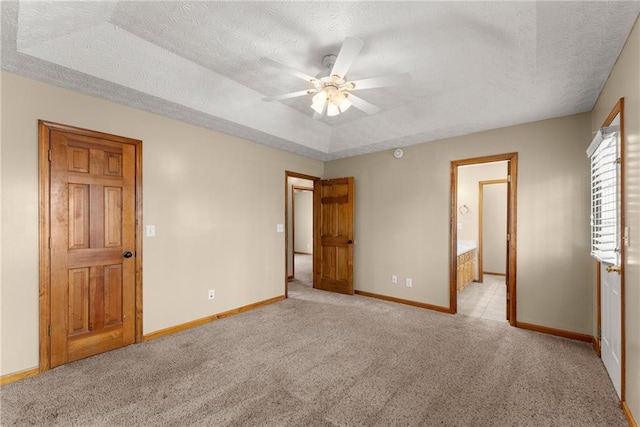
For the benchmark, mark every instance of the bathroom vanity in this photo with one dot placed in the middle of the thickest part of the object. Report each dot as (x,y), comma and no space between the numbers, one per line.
(467,263)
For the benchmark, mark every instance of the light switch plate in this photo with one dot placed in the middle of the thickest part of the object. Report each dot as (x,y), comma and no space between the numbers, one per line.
(280,228)
(625,236)
(151,230)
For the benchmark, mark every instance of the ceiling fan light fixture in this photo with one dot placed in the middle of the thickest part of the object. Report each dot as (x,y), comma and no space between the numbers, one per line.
(318,102)
(338,104)
(341,100)
(332,109)
(331,98)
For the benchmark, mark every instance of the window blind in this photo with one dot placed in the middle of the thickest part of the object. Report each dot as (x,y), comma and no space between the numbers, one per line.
(605,208)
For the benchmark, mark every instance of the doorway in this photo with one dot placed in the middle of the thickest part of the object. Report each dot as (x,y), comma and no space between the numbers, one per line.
(90,245)
(299,211)
(472,249)
(302,234)
(333,232)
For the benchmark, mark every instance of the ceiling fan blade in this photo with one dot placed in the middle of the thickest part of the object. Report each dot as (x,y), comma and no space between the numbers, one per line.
(392,80)
(363,105)
(286,68)
(288,95)
(351,47)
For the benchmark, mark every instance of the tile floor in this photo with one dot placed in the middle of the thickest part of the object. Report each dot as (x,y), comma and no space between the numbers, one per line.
(486,300)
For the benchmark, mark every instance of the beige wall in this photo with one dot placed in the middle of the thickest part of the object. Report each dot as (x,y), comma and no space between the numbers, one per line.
(468,179)
(624,82)
(494,231)
(2,304)
(402,218)
(303,202)
(215,201)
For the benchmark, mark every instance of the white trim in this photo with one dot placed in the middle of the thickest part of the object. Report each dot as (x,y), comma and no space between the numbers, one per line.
(597,139)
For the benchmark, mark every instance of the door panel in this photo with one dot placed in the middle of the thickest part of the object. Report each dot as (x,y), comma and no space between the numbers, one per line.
(112,217)
(92,196)
(610,345)
(78,300)
(333,253)
(112,294)
(78,216)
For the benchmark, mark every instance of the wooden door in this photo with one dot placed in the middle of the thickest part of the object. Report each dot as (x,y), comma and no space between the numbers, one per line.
(92,245)
(333,240)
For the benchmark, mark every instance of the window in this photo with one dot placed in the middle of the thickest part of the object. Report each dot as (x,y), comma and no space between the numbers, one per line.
(605,205)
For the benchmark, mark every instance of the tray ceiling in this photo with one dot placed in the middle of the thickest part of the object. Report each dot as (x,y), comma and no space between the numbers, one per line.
(475,65)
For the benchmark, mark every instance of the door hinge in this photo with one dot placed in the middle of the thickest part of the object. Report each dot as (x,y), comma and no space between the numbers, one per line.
(49,242)
(49,330)
(508,237)
(508,178)
(49,154)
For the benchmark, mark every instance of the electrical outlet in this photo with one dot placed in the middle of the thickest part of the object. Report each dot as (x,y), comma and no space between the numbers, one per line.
(409,283)
(212,294)
(394,278)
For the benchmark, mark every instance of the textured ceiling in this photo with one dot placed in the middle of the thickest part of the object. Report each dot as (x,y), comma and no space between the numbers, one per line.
(474,65)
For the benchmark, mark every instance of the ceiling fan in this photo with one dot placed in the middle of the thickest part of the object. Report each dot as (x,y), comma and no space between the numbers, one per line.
(330,89)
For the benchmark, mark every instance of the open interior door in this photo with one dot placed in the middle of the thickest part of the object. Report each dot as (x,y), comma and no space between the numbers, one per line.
(610,329)
(333,235)
(606,155)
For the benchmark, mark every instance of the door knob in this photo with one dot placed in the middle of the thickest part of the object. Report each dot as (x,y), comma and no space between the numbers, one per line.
(127,254)
(349,242)
(611,269)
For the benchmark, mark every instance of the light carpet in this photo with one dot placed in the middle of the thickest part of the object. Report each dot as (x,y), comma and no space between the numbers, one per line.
(323,359)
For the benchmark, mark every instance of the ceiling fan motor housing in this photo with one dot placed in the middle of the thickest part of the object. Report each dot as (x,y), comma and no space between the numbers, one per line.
(329,61)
